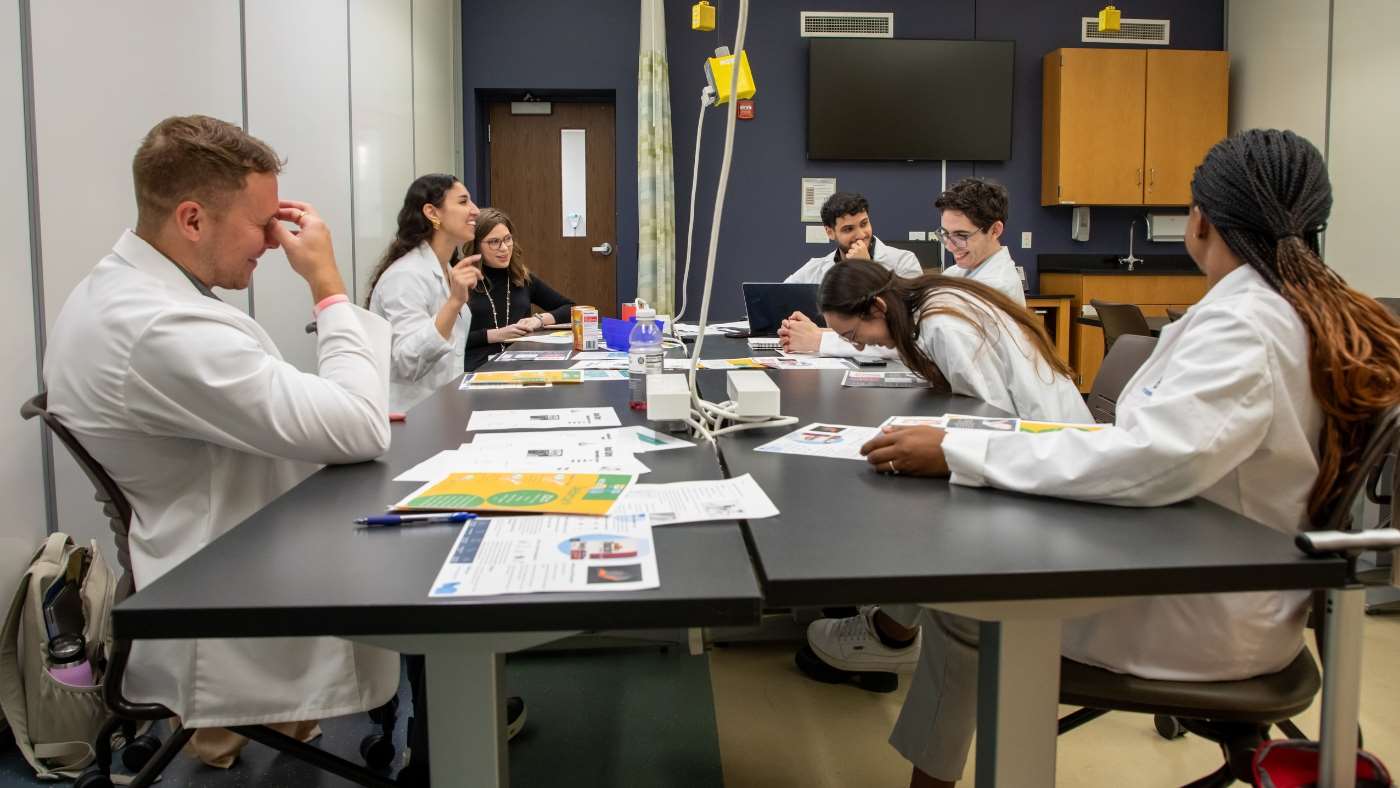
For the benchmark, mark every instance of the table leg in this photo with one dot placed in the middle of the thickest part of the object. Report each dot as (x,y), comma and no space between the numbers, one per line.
(1341,686)
(466,682)
(1017,702)
(1018,685)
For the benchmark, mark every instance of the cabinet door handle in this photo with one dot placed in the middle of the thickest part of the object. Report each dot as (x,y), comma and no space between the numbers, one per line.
(1151,178)
(1139,176)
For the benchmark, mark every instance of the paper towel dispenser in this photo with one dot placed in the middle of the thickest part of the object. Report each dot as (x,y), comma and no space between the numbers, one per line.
(1166,227)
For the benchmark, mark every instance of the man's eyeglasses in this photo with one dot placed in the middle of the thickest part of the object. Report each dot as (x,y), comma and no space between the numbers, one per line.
(955,238)
(497,243)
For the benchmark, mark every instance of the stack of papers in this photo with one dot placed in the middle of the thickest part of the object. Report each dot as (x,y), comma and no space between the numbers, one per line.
(691,502)
(523,555)
(533,355)
(548,338)
(559,451)
(888,380)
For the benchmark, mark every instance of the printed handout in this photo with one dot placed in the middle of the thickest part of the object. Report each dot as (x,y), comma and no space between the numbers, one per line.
(527,457)
(636,439)
(887,380)
(551,493)
(837,441)
(602,363)
(524,555)
(739,498)
(522,376)
(542,419)
(533,355)
(914,421)
(551,338)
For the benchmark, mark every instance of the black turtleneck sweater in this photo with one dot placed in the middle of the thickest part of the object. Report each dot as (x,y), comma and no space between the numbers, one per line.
(534,292)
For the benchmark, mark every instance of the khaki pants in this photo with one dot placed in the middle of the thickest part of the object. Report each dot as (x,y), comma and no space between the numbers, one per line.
(219,747)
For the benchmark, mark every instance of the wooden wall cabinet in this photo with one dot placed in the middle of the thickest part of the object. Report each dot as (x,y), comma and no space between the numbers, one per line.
(1129,126)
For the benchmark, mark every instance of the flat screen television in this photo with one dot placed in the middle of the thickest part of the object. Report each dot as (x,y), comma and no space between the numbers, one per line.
(909,99)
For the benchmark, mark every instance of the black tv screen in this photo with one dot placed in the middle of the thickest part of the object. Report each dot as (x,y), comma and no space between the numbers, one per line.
(909,99)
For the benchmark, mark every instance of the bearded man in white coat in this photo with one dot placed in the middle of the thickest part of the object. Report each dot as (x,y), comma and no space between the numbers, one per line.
(187,403)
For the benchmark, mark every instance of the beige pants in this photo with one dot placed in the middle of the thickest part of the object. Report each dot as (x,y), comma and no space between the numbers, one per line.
(219,747)
(936,725)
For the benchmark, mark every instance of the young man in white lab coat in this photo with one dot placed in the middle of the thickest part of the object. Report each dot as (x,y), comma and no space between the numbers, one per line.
(846,219)
(973,220)
(187,403)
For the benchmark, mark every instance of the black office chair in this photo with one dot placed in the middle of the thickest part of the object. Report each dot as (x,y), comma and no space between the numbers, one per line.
(1119,320)
(1119,366)
(1237,715)
(145,754)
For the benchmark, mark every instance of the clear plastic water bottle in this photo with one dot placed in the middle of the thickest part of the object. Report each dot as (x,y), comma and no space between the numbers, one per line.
(644,356)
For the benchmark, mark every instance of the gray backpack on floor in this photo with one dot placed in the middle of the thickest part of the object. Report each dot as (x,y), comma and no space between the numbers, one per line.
(55,723)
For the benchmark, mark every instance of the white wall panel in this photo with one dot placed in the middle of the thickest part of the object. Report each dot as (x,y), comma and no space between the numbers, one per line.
(1278,66)
(104,73)
(299,103)
(435,108)
(21,473)
(1365,162)
(381,114)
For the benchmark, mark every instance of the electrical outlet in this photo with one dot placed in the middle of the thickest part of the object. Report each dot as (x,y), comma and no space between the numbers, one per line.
(1026,240)
(917,235)
(816,234)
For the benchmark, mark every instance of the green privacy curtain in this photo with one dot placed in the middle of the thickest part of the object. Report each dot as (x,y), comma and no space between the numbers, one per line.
(656,182)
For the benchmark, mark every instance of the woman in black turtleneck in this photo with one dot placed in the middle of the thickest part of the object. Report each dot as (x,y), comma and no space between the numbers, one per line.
(500,304)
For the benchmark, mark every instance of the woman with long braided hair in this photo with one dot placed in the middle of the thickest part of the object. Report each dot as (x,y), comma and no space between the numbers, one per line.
(1259,399)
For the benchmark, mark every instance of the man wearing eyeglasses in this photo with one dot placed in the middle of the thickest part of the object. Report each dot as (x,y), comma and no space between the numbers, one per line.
(974,217)
(846,219)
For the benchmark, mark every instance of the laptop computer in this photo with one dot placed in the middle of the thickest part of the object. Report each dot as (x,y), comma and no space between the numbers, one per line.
(770,303)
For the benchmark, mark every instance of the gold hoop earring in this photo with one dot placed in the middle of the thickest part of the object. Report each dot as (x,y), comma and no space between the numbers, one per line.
(435,222)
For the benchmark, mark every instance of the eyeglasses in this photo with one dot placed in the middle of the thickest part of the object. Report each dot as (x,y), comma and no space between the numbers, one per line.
(956,238)
(497,243)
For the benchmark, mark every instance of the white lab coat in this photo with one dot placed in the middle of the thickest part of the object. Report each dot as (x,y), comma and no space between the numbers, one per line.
(409,295)
(1223,409)
(998,272)
(187,403)
(900,261)
(1002,368)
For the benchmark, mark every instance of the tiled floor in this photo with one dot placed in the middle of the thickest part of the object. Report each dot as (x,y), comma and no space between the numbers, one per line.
(778,728)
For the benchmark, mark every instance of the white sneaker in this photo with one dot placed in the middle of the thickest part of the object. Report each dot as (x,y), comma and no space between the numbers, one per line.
(851,644)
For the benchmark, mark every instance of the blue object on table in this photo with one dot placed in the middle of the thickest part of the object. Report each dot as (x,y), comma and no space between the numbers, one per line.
(382,520)
(616,332)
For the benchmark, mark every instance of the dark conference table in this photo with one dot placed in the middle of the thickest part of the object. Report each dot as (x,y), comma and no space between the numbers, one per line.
(300,566)
(845,535)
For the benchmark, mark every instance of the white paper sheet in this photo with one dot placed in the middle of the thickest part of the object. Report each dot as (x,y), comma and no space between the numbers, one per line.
(542,419)
(600,355)
(524,555)
(914,421)
(604,363)
(528,457)
(552,338)
(739,498)
(636,439)
(837,441)
(533,355)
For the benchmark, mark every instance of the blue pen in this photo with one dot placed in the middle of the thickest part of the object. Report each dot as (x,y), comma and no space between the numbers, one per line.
(381,520)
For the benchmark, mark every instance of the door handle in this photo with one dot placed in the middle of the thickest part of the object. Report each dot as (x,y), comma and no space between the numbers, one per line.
(1151,178)
(603,249)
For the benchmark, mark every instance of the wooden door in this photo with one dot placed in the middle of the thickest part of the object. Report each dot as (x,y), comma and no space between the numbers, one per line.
(1097,103)
(526,182)
(1187,113)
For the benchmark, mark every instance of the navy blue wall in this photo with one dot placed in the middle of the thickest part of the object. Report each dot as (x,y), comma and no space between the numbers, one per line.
(539,45)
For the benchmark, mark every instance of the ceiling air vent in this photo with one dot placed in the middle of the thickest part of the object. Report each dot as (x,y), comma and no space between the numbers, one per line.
(1156,32)
(847,24)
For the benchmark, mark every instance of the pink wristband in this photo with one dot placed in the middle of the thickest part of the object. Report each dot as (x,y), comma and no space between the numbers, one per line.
(329,301)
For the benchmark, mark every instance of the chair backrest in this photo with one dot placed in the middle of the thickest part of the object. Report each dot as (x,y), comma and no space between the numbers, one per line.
(1121,363)
(1120,320)
(106,491)
(1377,458)
(1174,314)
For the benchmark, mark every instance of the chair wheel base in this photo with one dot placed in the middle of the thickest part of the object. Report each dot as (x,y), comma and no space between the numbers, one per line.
(377,750)
(1168,727)
(139,751)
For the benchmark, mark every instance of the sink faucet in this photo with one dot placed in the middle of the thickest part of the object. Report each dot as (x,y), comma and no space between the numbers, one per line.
(1130,260)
